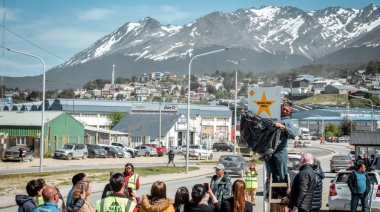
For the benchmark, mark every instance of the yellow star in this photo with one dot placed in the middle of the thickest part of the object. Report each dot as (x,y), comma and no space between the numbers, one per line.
(264,104)
(252,92)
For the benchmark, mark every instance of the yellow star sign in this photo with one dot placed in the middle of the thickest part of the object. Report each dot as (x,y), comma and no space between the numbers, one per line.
(264,104)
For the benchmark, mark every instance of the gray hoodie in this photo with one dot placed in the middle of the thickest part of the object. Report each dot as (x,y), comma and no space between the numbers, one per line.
(25,203)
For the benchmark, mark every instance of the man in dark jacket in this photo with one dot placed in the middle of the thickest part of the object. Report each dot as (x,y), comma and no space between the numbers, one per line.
(360,186)
(171,156)
(27,202)
(220,184)
(301,194)
(318,191)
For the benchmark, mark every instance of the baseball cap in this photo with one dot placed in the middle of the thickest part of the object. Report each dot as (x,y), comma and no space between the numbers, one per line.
(219,166)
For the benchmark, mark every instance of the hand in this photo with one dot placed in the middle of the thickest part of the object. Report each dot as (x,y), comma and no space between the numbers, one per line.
(83,196)
(279,125)
(295,209)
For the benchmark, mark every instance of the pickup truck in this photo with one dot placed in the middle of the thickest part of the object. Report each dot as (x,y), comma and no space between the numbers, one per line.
(161,150)
(199,151)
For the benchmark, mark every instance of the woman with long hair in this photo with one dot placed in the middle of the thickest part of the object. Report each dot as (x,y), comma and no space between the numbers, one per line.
(157,200)
(181,197)
(199,202)
(237,202)
(83,187)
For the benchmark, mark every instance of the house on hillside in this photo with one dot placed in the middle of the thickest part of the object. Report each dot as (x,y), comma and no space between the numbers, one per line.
(339,89)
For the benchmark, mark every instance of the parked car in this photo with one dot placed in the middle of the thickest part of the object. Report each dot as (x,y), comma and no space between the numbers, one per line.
(222,146)
(133,152)
(147,151)
(344,139)
(96,151)
(234,164)
(306,144)
(176,150)
(13,152)
(293,161)
(71,150)
(112,151)
(199,152)
(297,144)
(161,150)
(123,152)
(339,162)
(340,196)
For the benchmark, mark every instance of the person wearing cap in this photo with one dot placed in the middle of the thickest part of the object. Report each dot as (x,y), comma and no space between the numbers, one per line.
(107,189)
(251,183)
(220,184)
(360,186)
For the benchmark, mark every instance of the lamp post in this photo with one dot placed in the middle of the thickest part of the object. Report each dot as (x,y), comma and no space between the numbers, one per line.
(323,125)
(188,103)
(43,104)
(235,119)
(372,128)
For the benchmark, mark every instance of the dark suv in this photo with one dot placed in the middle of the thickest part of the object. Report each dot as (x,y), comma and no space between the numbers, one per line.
(220,146)
(96,151)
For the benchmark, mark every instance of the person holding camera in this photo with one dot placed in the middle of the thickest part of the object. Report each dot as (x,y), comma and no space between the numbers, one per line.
(83,187)
(198,201)
(251,183)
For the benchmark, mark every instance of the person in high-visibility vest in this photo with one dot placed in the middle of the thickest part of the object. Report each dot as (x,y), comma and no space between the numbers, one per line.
(131,178)
(117,201)
(251,183)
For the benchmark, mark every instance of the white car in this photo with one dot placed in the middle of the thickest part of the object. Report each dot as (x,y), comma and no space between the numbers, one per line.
(306,144)
(340,195)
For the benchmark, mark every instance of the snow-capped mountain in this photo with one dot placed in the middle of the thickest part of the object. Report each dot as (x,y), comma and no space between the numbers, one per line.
(269,38)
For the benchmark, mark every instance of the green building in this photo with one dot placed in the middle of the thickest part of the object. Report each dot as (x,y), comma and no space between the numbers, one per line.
(24,128)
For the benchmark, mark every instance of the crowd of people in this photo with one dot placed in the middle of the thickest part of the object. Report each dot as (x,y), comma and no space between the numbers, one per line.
(121,195)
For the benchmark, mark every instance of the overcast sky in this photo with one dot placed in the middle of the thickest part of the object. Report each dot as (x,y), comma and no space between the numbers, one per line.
(55,30)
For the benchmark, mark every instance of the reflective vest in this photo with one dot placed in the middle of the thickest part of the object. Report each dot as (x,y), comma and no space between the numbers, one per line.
(115,204)
(250,179)
(132,181)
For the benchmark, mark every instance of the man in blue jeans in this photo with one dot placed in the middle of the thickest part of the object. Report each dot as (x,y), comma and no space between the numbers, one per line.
(277,165)
(360,186)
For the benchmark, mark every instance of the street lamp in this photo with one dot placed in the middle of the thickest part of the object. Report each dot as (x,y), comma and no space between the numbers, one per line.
(323,125)
(235,119)
(188,103)
(43,103)
(372,128)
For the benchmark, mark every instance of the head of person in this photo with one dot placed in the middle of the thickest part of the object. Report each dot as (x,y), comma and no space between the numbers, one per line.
(61,201)
(219,170)
(181,197)
(306,158)
(252,165)
(129,168)
(365,155)
(117,182)
(158,191)
(316,163)
(238,188)
(198,193)
(78,177)
(78,190)
(113,172)
(50,194)
(360,166)
(171,148)
(34,188)
(286,109)
(372,156)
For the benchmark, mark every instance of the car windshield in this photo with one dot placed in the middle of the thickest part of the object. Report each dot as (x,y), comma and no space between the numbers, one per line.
(67,146)
(112,148)
(342,177)
(16,148)
(229,159)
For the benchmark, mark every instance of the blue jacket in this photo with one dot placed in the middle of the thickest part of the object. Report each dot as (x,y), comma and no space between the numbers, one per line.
(47,207)
(69,200)
(25,203)
(289,132)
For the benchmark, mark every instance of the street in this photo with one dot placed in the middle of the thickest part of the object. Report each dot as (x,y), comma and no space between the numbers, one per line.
(322,151)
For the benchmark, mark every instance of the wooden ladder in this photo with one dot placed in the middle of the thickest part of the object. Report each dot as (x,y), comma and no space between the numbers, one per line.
(276,185)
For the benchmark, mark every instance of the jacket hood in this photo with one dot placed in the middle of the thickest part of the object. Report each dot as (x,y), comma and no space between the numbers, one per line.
(318,171)
(157,206)
(22,199)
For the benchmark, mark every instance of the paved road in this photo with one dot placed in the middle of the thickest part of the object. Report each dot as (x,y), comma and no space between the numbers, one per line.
(323,152)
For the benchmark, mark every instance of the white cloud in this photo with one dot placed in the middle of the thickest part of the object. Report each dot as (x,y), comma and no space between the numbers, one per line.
(95,14)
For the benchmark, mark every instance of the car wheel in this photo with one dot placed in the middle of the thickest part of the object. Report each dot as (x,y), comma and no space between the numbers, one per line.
(147,154)
(127,155)
(332,171)
(241,173)
(84,156)
(229,150)
(69,156)
(199,157)
(114,155)
(215,149)
(210,157)
(132,155)
(31,159)
(91,155)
